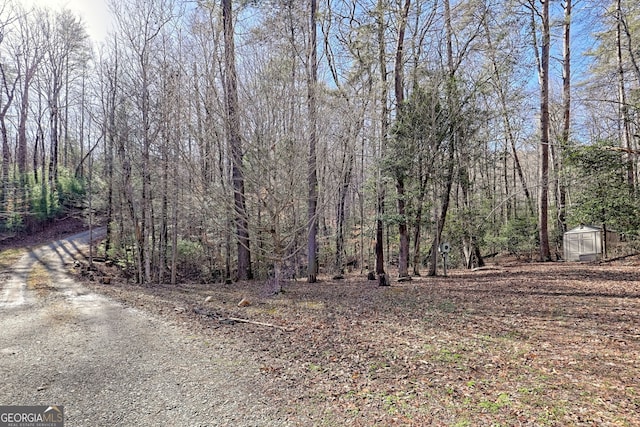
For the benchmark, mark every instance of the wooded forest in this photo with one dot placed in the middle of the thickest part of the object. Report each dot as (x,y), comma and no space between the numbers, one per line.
(276,138)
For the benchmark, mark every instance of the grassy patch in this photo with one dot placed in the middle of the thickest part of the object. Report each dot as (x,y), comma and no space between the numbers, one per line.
(39,279)
(500,402)
(314,368)
(9,257)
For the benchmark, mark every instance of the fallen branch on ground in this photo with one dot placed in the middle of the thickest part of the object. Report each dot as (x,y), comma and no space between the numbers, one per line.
(487,268)
(253,322)
(619,258)
(222,319)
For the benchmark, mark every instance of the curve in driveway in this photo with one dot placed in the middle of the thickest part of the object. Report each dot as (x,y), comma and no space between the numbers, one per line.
(112,365)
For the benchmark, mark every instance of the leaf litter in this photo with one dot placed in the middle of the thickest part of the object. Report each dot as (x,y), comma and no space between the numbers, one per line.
(527,344)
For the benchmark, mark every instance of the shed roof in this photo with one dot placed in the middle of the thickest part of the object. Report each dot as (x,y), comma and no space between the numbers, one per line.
(584,229)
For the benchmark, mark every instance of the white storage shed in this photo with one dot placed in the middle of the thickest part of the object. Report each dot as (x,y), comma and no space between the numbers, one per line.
(586,243)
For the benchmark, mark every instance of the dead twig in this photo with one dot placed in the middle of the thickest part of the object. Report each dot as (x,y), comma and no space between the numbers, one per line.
(605,261)
(223,319)
(253,322)
(487,268)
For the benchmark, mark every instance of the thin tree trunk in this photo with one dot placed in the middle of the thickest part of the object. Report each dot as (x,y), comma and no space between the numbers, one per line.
(505,176)
(422,193)
(127,189)
(80,168)
(164,208)
(384,125)
(622,99)
(446,197)
(453,135)
(9,92)
(543,202)
(510,136)
(54,119)
(21,156)
(174,220)
(65,148)
(146,205)
(630,49)
(566,120)
(6,162)
(110,142)
(21,196)
(340,220)
(312,81)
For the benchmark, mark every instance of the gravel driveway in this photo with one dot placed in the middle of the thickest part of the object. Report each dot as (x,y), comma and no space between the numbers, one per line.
(110,365)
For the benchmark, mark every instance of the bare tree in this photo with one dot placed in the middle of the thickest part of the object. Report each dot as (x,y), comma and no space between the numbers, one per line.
(109,74)
(501,87)
(66,43)
(561,192)
(29,53)
(312,82)
(384,132)
(542,60)
(7,94)
(625,128)
(543,194)
(140,24)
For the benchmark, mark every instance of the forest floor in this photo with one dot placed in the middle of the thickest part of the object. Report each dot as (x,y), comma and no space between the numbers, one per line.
(526,344)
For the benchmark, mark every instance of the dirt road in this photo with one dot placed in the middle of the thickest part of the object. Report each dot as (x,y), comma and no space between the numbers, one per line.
(111,365)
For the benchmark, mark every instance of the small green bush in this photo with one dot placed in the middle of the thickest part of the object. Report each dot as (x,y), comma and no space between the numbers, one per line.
(71,190)
(517,236)
(14,222)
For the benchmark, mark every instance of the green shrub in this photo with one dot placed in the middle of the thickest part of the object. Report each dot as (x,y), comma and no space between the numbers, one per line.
(517,236)
(14,222)
(191,259)
(71,190)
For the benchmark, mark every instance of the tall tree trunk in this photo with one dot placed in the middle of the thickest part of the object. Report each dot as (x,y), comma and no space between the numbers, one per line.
(129,200)
(384,129)
(164,205)
(65,148)
(110,143)
(347,169)
(453,135)
(348,164)
(312,174)
(566,121)
(21,156)
(8,92)
(6,162)
(54,122)
(174,221)
(403,256)
(622,99)
(146,215)
(174,231)
(543,195)
(21,198)
(235,144)
(630,48)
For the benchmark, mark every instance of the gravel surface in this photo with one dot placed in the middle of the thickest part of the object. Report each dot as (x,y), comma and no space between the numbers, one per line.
(112,365)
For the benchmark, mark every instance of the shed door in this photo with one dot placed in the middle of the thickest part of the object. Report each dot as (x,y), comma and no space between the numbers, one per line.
(580,244)
(588,243)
